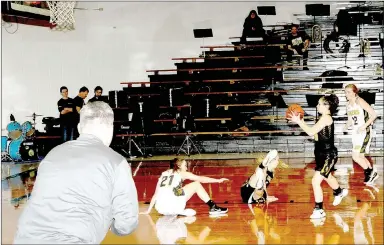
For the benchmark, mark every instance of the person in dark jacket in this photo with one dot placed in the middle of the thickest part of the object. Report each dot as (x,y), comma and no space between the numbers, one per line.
(98,92)
(253,26)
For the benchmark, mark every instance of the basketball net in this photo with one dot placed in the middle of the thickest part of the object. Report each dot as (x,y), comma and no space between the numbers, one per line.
(62,15)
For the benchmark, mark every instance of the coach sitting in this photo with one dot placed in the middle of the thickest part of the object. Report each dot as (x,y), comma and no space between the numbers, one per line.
(83,188)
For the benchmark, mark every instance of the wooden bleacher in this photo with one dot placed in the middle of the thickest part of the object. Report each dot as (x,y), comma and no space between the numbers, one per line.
(193,59)
(233,86)
(191,70)
(236,47)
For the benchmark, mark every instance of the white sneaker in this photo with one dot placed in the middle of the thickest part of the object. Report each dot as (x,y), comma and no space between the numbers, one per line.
(318,214)
(373,177)
(217,216)
(338,198)
(188,212)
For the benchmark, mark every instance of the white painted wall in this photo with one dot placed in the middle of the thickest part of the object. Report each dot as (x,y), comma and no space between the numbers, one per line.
(115,45)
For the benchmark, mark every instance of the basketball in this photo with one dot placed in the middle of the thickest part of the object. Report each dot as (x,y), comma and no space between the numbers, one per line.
(295,109)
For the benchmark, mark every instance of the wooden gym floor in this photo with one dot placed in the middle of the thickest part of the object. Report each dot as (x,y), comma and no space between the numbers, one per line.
(357,220)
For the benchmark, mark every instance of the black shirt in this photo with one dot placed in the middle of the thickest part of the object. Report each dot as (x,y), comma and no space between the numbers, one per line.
(65,103)
(298,40)
(77,102)
(326,138)
(255,23)
(100,98)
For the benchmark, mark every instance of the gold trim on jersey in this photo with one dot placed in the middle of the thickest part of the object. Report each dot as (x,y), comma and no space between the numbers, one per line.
(366,140)
(178,190)
(329,162)
(354,112)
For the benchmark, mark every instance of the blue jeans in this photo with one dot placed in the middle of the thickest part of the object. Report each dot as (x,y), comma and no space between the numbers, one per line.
(67,132)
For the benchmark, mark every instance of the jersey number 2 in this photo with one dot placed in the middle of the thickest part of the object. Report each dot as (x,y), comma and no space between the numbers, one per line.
(165,179)
(354,118)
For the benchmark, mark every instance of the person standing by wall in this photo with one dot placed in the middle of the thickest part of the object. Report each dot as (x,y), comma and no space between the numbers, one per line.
(78,103)
(98,92)
(65,106)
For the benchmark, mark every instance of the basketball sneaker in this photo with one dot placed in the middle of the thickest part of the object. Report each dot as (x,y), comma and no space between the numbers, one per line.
(317,213)
(217,210)
(338,198)
(217,216)
(367,176)
(373,177)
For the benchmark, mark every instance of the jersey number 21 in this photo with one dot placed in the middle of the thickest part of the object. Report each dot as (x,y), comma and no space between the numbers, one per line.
(164,179)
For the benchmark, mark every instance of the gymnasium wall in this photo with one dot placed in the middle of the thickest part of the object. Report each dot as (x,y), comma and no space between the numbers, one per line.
(114,45)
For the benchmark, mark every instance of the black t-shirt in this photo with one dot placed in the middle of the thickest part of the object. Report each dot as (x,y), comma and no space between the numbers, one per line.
(298,40)
(94,99)
(77,102)
(100,98)
(65,103)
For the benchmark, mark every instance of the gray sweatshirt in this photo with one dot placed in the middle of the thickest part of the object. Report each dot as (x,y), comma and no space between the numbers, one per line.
(82,189)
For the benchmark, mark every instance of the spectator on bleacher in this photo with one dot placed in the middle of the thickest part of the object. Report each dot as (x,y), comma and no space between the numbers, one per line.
(253,26)
(298,43)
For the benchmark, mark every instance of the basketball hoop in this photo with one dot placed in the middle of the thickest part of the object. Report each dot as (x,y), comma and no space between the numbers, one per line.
(61,13)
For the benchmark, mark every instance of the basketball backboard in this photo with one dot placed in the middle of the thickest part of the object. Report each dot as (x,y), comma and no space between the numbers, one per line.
(34,13)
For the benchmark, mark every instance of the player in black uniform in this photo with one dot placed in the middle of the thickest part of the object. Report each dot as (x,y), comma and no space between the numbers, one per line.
(326,154)
(254,190)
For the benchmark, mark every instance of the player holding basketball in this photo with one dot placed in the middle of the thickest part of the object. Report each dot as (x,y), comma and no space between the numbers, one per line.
(361,117)
(326,154)
(171,197)
(254,190)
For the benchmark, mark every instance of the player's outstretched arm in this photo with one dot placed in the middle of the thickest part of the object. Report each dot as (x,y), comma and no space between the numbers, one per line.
(201,179)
